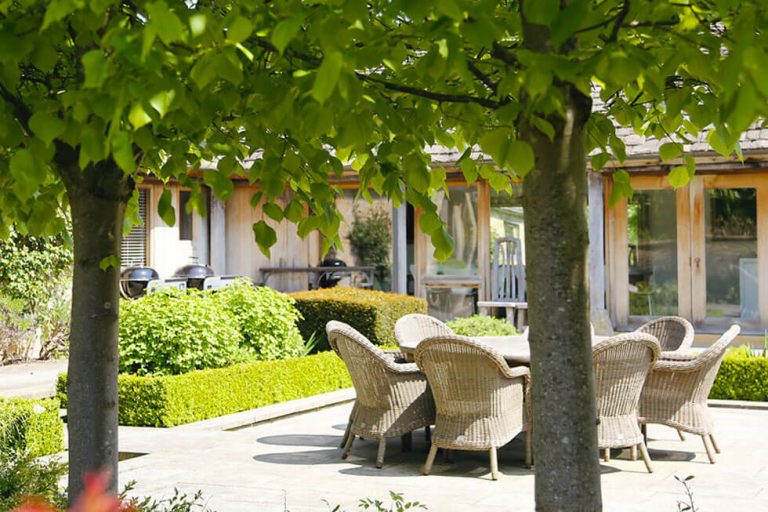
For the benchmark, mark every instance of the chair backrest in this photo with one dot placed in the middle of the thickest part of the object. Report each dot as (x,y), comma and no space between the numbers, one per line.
(414,328)
(709,362)
(673,332)
(508,271)
(464,375)
(366,363)
(621,365)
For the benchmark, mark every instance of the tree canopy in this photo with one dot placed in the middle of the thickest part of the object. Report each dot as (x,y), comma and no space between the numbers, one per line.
(95,94)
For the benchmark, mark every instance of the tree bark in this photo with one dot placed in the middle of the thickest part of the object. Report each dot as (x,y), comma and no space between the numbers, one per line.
(556,234)
(98,197)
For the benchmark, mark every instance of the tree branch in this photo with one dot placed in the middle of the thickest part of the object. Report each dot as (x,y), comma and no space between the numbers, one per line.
(490,84)
(619,21)
(20,110)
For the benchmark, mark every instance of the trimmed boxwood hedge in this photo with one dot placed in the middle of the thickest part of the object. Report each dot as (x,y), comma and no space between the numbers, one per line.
(373,313)
(742,376)
(167,401)
(33,425)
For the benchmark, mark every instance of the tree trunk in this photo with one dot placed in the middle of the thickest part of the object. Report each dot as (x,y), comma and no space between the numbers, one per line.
(556,239)
(97,197)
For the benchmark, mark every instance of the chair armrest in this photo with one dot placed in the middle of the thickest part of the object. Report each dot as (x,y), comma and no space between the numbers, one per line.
(401,368)
(517,371)
(667,365)
(678,355)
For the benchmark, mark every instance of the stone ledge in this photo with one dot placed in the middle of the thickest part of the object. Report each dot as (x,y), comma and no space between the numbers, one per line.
(270,412)
(738,404)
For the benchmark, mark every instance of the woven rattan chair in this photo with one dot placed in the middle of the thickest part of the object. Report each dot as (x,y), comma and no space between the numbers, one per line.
(393,399)
(393,355)
(412,329)
(621,365)
(481,403)
(673,332)
(676,392)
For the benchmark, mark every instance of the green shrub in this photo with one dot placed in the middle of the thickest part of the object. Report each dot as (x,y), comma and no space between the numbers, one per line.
(23,475)
(742,376)
(31,426)
(173,331)
(265,318)
(482,325)
(373,313)
(166,401)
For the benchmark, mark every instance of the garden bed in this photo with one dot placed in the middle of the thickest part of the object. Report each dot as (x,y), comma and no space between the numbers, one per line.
(167,401)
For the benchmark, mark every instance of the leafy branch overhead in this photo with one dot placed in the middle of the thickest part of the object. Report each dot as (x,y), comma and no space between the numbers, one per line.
(289,93)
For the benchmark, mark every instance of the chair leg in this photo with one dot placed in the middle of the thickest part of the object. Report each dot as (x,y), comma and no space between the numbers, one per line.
(407,440)
(430,460)
(681,435)
(709,450)
(528,449)
(714,444)
(349,426)
(380,453)
(633,452)
(348,445)
(645,456)
(607,454)
(494,464)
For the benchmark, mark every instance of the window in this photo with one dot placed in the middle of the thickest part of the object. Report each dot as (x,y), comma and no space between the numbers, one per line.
(185,215)
(133,248)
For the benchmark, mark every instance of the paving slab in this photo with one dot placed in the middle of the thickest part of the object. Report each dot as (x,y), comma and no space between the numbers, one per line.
(36,379)
(294,464)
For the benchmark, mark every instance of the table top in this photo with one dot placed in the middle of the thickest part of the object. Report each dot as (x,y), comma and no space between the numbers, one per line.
(516,350)
(317,269)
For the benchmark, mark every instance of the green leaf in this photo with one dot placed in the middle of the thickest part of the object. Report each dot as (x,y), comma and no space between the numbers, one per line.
(265,237)
(678,176)
(273,211)
(541,12)
(220,183)
(162,101)
(622,186)
(122,152)
(109,262)
(285,31)
(28,172)
(670,150)
(521,157)
(165,208)
(170,27)
(544,127)
(96,69)
(138,117)
(239,30)
(57,10)
(442,241)
(327,76)
(46,127)
(429,222)
(743,113)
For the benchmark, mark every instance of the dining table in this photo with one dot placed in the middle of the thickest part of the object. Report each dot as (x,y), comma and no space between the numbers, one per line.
(516,350)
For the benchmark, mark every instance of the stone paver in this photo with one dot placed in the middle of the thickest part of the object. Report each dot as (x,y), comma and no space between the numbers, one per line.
(31,380)
(294,464)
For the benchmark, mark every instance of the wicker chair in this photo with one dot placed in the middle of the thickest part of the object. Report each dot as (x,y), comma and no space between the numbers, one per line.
(676,392)
(481,403)
(393,355)
(412,329)
(673,332)
(621,365)
(393,399)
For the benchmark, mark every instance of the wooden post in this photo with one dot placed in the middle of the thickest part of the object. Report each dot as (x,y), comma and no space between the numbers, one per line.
(218,236)
(596,242)
(399,249)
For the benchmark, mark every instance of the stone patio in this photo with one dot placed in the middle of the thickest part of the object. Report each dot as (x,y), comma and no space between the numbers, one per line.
(294,464)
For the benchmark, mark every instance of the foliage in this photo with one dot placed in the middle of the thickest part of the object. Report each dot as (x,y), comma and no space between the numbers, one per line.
(265,318)
(371,240)
(31,426)
(482,325)
(397,504)
(35,297)
(743,375)
(179,502)
(687,505)
(22,475)
(167,401)
(173,331)
(373,313)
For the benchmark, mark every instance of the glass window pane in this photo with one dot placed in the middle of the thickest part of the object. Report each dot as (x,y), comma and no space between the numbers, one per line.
(652,234)
(185,217)
(507,217)
(459,211)
(730,217)
(448,303)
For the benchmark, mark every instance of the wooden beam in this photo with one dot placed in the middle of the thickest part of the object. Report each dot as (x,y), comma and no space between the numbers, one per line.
(484,238)
(596,242)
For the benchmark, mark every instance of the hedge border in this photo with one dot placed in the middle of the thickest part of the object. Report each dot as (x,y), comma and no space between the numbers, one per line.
(742,378)
(33,425)
(168,401)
